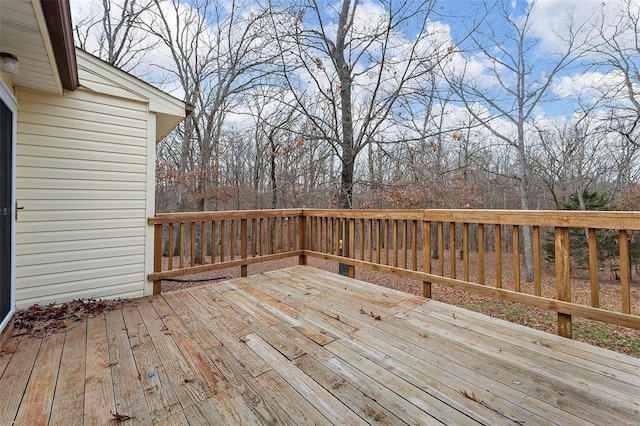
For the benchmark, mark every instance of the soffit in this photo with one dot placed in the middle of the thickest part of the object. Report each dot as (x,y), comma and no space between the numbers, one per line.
(23,33)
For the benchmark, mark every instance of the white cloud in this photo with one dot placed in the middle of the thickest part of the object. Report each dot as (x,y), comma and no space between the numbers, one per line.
(552,19)
(580,85)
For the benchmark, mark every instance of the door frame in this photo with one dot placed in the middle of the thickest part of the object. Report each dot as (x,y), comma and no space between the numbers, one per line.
(7,97)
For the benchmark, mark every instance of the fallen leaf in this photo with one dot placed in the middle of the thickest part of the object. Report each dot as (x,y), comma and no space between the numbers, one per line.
(471,396)
(9,350)
(121,417)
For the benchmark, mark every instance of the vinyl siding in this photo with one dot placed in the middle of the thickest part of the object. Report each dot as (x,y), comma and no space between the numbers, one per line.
(83,177)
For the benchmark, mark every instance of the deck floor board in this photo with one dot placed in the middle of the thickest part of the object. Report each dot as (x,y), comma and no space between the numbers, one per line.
(303,346)
(68,401)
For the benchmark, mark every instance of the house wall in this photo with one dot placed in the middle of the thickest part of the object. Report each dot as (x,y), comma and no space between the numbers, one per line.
(84,167)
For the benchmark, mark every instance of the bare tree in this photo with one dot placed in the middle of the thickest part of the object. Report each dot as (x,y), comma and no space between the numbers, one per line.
(570,158)
(505,96)
(113,32)
(616,51)
(357,69)
(217,56)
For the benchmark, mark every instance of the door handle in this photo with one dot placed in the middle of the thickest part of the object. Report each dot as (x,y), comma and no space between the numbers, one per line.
(18,208)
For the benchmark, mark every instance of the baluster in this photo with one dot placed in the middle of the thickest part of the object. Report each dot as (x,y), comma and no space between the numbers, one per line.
(223,244)
(452,249)
(361,221)
(537,275)
(624,272)
(352,246)
(441,248)
(426,256)
(386,241)
(243,246)
(405,244)
(593,269)
(414,245)
(192,255)
(465,251)
(171,246)
(563,279)
(378,240)
(181,245)
(498,236)
(481,253)
(396,238)
(203,242)
(516,258)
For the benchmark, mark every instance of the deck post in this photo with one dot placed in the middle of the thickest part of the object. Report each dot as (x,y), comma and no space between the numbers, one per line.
(563,279)
(302,238)
(243,246)
(157,255)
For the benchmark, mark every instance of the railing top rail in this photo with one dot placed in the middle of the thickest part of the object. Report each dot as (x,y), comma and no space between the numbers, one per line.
(552,218)
(365,214)
(221,215)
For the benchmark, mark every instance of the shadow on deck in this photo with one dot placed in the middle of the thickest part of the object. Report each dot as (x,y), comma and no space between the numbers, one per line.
(304,346)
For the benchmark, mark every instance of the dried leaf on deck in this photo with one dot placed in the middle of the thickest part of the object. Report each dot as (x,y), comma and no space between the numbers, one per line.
(121,417)
(8,350)
(43,320)
(472,396)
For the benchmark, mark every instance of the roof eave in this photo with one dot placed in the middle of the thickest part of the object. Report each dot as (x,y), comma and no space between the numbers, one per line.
(57,14)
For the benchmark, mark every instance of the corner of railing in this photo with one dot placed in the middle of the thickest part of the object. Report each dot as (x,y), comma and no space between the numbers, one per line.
(157,255)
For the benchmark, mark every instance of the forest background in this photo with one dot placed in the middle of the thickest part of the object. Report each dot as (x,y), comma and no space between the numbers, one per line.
(386,104)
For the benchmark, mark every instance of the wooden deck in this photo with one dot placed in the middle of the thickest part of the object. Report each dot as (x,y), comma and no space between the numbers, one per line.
(303,346)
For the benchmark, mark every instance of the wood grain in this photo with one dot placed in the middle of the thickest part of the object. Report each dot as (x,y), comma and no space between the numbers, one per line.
(70,389)
(305,346)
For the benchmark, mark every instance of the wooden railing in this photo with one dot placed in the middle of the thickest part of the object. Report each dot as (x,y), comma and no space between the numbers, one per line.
(190,243)
(465,249)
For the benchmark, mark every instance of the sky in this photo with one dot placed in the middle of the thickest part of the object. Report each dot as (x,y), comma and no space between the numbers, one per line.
(549,28)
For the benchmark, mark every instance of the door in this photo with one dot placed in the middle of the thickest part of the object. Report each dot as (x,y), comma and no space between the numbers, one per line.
(6,212)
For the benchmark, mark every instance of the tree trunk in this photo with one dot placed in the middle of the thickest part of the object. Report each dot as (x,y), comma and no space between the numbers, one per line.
(527,231)
(272,175)
(345,196)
